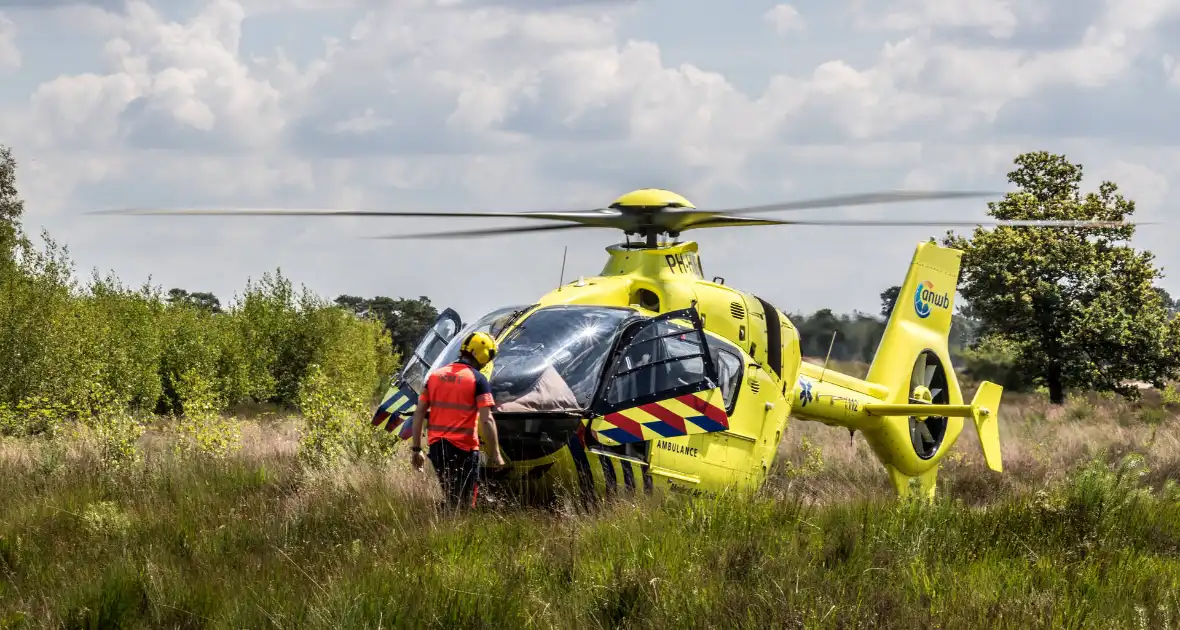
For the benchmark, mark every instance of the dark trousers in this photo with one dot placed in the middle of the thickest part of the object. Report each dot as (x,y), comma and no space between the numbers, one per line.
(458,473)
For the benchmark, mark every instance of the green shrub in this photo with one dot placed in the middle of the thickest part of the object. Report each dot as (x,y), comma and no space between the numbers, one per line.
(994,359)
(1170,395)
(65,340)
(112,431)
(330,411)
(102,354)
(203,429)
(191,345)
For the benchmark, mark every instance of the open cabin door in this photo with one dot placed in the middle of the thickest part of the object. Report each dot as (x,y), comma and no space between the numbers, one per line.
(396,410)
(662,383)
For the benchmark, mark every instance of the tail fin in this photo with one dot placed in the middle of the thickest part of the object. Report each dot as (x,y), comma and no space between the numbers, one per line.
(921,321)
(986,407)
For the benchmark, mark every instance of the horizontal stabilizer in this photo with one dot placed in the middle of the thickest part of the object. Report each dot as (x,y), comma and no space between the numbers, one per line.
(949,411)
(983,410)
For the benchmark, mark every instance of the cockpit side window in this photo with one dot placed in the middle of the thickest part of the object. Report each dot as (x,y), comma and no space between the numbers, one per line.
(729,371)
(433,343)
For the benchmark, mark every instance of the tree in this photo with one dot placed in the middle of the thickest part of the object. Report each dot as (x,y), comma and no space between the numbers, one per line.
(888,299)
(1166,298)
(11,206)
(358,305)
(1076,305)
(856,335)
(206,301)
(964,327)
(406,320)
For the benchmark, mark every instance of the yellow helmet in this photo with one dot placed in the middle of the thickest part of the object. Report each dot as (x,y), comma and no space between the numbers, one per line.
(480,346)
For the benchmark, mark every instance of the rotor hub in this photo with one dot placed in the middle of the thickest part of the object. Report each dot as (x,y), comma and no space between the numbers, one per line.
(652,212)
(922,394)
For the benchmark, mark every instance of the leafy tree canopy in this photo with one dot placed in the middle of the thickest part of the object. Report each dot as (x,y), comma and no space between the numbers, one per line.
(405,319)
(888,299)
(1166,298)
(201,300)
(11,206)
(1078,306)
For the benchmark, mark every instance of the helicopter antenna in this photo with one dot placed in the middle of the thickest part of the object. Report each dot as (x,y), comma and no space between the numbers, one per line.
(561,280)
(830,345)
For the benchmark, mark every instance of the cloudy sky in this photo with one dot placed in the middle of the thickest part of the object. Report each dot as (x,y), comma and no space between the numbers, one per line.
(560,104)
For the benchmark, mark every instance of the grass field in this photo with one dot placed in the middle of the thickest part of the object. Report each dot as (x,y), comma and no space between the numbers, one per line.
(1081,531)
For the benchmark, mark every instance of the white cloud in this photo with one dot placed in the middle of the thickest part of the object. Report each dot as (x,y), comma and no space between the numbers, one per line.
(998,18)
(1171,70)
(361,124)
(1147,186)
(499,79)
(785,19)
(10,57)
(500,106)
(169,78)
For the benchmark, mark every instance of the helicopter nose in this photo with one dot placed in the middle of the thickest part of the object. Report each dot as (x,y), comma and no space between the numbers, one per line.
(526,437)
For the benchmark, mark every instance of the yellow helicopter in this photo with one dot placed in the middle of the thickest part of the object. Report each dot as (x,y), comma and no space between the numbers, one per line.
(650,378)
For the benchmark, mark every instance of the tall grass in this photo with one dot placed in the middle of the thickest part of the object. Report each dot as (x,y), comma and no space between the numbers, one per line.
(1083,532)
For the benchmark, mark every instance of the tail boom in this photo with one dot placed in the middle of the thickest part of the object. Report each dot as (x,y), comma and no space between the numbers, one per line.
(835,399)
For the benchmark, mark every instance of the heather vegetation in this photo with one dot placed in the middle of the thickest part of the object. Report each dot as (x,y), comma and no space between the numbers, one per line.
(1081,531)
(170,460)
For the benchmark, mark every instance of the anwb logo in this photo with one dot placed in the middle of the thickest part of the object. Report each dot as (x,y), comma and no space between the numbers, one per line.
(925,298)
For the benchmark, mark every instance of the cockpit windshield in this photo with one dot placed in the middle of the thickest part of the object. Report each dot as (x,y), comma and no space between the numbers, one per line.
(493,324)
(434,351)
(553,360)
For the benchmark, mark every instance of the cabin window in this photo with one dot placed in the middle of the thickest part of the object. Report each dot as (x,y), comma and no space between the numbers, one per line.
(662,358)
(729,373)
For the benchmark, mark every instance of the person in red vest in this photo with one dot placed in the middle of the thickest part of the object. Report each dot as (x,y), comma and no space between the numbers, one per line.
(457,398)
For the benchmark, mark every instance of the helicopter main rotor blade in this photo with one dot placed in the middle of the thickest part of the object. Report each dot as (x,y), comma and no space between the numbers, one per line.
(488,231)
(722,220)
(595,215)
(602,216)
(659,220)
(938,222)
(860,199)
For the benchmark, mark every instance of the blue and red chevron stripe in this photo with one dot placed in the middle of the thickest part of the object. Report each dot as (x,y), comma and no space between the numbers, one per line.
(397,409)
(683,415)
